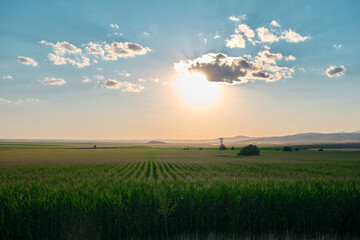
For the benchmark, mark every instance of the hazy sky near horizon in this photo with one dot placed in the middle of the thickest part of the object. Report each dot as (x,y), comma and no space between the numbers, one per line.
(178,69)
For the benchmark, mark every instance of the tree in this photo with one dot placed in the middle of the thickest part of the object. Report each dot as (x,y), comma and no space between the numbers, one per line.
(321,150)
(250,150)
(287,149)
(232,148)
(222,147)
(94,146)
(200,148)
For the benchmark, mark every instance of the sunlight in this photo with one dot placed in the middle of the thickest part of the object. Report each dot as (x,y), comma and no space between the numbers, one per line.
(196,89)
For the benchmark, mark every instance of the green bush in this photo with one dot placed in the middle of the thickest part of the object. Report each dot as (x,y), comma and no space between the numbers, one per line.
(250,150)
(287,149)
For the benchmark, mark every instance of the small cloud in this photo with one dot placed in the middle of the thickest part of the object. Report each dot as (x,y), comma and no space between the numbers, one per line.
(60,48)
(35,100)
(266,36)
(27,61)
(154,79)
(2,100)
(124,74)
(142,80)
(124,49)
(234,19)
(292,36)
(335,71)
(338,46)
(86,80)
(95,48)
(123,86)
(247,31)
(59,60)
(165,83)
(217,35)
(266,47)
(290,58)
(8,77)
(205,40)
(275,23)
(114,26)
(268,57)
(53,81)
(95,61)
(99,77)
(236,41)
(20,101)
(146,34)
(99,69)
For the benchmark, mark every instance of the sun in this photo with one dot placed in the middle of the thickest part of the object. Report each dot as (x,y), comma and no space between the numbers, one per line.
(196,89)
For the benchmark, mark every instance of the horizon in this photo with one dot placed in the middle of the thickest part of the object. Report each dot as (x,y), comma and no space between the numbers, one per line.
(177,70)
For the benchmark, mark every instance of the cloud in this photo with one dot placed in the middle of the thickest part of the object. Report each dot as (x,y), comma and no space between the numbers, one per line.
(290,58)
(266,56)
(2,100)
(35,100)
(142,80)
(7,76)
(99,77)
(275,23)
(114,26)
(234,19)
(146,34)
(123,86)
(154,79)
(125,74)
(266,36)
(243,28)
(53,81)
(292,36)
(86,80)
(335,71)
(60,48)
(59,60)
(217,36)
(218,67)
(338,46)
(117,50)
(236,41)
(27,61)
(94,48)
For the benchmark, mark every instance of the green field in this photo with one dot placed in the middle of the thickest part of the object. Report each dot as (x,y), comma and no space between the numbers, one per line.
(70,192)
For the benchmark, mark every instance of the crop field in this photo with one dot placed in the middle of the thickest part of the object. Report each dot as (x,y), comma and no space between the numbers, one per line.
(68,192)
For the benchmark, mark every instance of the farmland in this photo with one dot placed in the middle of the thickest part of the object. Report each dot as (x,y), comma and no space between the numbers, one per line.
(68,191)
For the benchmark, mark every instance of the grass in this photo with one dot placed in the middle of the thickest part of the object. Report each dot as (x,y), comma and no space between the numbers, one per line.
(123,193)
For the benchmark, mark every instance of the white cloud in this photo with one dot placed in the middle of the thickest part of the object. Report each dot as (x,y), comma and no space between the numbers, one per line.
(7,76)
(154,79)
(266,47)
(35,100)
(27,61)
(266,36)
(124,49)
(114,26)
(94,48)
(290,58)
(99,69)
(236,41)
(124,74)
(59,60)
(234,19)
(146,34)
(335,71)
(218,67)
(338,46)
(60,48)
(99,77)
(2,100)
(268,57)
(53,81)
(217,36)
(123,86)
(275,23)
(243,28)
(142,80)
(292,36)
(95,61)
(86,80)
(20,101)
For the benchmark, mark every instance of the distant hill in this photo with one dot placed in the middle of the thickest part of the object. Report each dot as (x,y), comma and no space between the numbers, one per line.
(156,142)
(304,138)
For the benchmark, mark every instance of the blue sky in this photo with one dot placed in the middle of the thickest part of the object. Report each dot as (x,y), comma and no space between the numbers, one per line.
(302,69)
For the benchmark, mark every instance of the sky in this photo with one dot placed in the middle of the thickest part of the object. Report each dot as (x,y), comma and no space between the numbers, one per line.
(178,69)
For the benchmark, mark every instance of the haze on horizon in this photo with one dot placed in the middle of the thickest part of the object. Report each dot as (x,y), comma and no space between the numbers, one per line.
(178,70)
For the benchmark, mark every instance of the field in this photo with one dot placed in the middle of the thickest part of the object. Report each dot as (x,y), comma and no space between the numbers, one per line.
(73,192)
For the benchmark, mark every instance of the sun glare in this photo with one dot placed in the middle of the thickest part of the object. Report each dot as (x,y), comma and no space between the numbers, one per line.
(196,89)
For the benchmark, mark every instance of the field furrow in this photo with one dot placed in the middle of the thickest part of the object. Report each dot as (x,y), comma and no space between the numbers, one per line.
(140,170)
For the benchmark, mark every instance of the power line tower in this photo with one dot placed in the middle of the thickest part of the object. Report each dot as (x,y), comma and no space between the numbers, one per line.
(221,146)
